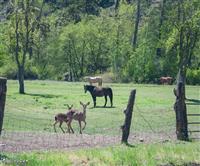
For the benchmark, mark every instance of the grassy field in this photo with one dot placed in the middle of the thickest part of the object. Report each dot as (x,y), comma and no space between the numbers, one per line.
(153,110)
(167,154)
(35,110)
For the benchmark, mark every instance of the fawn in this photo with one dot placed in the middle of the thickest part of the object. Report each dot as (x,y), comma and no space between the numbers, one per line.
(78,116)
(61,117)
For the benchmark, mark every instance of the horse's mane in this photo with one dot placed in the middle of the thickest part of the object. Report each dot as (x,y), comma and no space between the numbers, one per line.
(91,87)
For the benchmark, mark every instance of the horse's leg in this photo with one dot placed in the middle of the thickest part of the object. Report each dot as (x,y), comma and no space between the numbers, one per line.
(94,100)
(105,101)
(100,82)
(111,103)
(110,94)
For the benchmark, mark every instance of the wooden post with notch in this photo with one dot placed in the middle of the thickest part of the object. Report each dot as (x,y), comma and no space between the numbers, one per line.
(3,90)
(181,113)
(128,116)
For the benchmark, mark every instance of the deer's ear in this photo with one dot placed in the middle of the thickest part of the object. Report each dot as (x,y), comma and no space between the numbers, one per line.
(81,103)
(72,106)
(68,106)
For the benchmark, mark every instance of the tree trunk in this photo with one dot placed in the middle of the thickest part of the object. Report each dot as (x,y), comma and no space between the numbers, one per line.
(3,90)
(128,116)
(162,12)
(134,38)
(181,112)
(21,79)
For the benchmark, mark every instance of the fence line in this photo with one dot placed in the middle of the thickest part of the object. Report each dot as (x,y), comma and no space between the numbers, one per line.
(32,134)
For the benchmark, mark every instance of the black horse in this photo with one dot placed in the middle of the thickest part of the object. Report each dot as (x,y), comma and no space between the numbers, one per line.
(99,92)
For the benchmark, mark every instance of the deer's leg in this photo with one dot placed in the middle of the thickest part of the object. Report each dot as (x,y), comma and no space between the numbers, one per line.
(54,125)
(67,122)
(105,101)
(85,125)
(61,127)
(80,127)
(70,127)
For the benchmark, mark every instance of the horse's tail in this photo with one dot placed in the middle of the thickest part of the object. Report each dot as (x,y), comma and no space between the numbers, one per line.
(56,118)
(111,96)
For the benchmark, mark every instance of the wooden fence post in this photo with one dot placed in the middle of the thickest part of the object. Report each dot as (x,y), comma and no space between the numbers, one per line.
(3,90)
(181,113)
(128,116)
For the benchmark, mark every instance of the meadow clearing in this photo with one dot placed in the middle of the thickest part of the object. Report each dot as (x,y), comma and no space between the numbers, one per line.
(28,119)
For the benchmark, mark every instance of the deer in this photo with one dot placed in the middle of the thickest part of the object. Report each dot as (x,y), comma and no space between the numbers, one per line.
(79,116)
(64,117)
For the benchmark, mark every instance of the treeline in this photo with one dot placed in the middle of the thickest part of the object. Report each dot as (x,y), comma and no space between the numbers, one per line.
(136,40)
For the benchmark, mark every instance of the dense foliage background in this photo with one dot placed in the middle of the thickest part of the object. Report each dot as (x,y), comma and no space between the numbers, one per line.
(129,40)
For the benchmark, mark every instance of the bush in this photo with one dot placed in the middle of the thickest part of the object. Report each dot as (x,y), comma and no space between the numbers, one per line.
(108,77)
(193,76)
(31,73)
(9,71)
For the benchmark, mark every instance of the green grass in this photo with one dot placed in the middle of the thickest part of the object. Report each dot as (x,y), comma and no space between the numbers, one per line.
(35,110)
(177,153)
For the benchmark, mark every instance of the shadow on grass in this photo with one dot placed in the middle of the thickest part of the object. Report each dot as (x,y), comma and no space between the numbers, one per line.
(128,145)
(102,107)
(184,164)
(193,102)
(43,95)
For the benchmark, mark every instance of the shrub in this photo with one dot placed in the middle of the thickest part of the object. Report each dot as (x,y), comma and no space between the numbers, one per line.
(109,77)
(9,71)
(193,76)
(31,73)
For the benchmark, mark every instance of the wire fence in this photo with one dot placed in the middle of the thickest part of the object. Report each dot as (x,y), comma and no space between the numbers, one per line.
(193,119)
(34,130)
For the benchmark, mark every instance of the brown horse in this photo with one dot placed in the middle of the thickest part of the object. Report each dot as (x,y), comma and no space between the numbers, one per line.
(96,79)
(99,92)
(166,80)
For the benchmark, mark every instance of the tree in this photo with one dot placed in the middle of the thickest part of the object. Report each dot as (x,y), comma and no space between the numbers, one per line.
(184,35)
(137,20)
(23,23)
(188,33)
(162,13)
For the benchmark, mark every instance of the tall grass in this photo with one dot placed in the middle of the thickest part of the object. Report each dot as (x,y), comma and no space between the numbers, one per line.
(177,153)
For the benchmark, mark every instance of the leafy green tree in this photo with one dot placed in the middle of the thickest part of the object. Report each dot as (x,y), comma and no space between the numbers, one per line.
(23,25)
(184,35)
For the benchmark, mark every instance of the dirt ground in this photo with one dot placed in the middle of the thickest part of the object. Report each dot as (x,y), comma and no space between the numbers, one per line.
(34,141)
